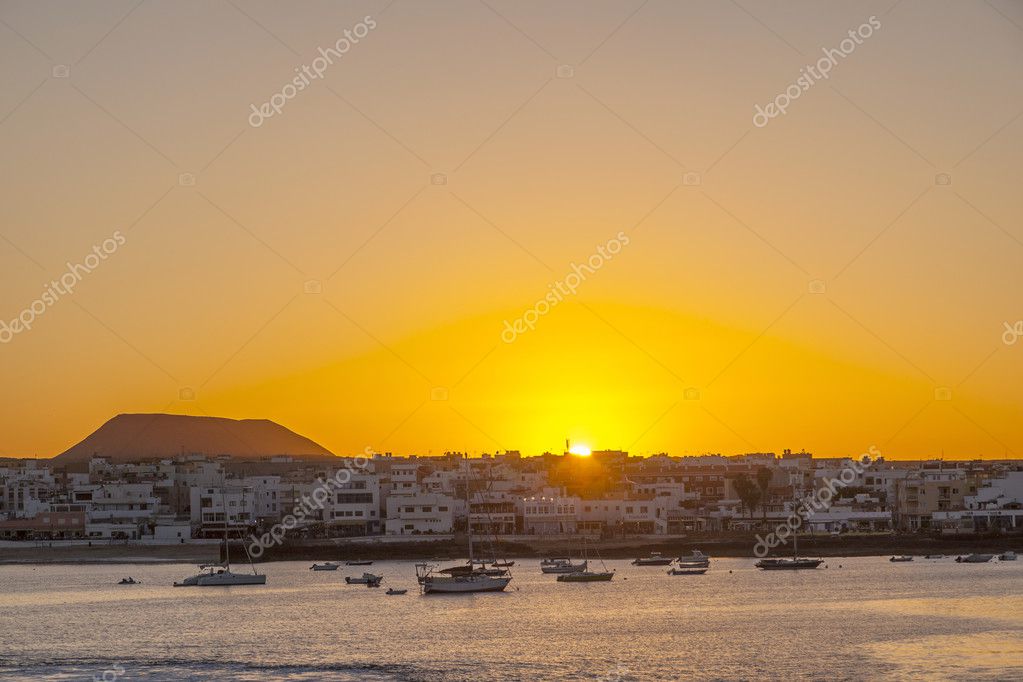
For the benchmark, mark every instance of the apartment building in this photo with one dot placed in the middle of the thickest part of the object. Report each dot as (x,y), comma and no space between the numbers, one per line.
(420,513)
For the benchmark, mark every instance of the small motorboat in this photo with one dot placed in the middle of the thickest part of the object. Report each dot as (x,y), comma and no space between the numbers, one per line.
(901,558)
(129,581)
(695,559)
(553,561)
(365,579)
(562,566)
(504,564)
(329,566)
(655,559)
(1007,556)
(391,590)
(359,562)
(683,570)
(974,559)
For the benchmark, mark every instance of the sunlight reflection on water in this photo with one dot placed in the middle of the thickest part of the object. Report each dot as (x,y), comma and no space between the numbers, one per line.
(868,619)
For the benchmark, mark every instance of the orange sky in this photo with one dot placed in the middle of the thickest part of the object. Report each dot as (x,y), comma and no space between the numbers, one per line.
(317,272)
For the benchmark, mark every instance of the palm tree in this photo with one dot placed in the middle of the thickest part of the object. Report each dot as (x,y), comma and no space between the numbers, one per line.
(763,482)
(748,492)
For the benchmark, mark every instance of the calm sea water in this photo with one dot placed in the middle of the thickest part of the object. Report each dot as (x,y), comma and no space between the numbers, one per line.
(861,618)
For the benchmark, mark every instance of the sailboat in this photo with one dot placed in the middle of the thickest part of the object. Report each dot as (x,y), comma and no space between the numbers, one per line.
(220,574)
(793,564)
(462,579)
(586,575)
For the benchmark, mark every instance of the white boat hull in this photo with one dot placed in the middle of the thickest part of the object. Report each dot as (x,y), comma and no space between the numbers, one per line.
(687,571)
(224,579)
(436,584)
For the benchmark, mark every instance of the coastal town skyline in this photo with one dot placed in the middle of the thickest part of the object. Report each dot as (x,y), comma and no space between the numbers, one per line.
(130,445)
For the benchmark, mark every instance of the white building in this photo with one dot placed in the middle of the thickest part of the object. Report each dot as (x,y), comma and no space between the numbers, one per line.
(621,514)
(214,508)
(266,496)
(404,478)
(550,515)
(172,532)
(998,504)
(118,503)
(420,513)
(354,508)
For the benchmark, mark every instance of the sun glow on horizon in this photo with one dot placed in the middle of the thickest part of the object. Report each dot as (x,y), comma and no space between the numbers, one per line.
(580,449)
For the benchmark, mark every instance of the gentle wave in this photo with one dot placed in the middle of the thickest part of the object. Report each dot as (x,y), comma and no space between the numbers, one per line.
(177,669)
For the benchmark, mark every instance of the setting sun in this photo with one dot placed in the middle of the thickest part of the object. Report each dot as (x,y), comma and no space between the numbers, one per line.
(580,449)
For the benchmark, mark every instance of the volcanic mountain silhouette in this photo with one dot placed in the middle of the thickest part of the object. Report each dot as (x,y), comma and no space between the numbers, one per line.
(130,437)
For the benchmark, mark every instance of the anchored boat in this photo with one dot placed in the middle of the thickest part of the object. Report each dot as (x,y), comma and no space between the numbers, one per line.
(683,570)
(562,566)
(796,563)
(365,579)
(695,559)
(654,559)
(473,577)
(328,566)
(220,575)
(585,575)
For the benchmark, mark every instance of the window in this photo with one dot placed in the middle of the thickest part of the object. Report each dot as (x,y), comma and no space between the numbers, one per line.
(443,509)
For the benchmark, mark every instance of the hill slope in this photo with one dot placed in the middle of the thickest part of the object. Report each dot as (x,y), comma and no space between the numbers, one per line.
(150,436)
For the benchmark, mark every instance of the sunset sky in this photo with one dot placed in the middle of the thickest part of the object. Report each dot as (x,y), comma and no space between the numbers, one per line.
(837,279)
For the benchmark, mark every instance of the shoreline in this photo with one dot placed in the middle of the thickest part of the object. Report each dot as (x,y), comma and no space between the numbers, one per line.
(521,547)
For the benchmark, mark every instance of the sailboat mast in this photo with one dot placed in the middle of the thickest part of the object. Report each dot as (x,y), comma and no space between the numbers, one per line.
(795,533)
(468,507)
(227,543)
